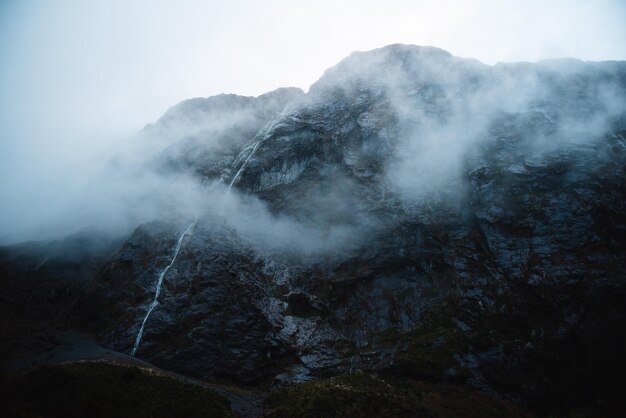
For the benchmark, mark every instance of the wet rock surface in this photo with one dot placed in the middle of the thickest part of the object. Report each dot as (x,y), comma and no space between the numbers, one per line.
(480,212)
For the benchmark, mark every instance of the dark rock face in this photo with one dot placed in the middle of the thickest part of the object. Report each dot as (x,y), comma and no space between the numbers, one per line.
(207,133)
(41,281)
(474,223)
(211,315)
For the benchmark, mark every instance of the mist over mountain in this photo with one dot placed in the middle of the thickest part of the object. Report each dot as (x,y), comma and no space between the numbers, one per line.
(417,227)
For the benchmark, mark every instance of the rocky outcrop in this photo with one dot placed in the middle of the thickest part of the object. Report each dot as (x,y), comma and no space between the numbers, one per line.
(207,133)
(476,215)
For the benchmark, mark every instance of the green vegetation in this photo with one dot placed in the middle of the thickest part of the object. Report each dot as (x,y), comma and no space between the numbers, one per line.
(363,395)
(94,389)
(344,396)
(427,351)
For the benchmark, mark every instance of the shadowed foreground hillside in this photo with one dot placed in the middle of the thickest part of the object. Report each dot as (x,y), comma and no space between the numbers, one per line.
(93,389)
(417,235)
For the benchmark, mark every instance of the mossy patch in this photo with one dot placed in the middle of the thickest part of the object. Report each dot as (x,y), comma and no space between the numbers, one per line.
(427,351)
(363,395)
(95,389)
(344,396)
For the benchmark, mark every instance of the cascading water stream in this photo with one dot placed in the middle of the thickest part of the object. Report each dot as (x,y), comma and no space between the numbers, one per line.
(56,248)
(254,148)
(179,244)
(155,302)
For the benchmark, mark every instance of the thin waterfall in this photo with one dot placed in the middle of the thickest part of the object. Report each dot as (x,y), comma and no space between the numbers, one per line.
(155,302)
(254,148)
(56,248)
(179,244)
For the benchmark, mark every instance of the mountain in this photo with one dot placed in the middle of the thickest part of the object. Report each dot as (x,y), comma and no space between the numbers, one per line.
(442,226)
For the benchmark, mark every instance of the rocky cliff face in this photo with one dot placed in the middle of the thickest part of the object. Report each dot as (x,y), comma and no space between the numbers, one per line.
(417,215)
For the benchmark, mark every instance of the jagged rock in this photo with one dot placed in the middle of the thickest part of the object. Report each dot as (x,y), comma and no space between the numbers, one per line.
(478,215)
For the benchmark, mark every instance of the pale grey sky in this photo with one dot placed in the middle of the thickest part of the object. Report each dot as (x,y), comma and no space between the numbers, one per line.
(78,75)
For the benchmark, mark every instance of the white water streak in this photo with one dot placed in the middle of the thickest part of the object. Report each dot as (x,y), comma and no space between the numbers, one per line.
(254,148)
(155,302)
(245,163)
(56,248)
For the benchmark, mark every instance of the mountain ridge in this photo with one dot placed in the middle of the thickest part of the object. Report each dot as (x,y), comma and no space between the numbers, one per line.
(416,216)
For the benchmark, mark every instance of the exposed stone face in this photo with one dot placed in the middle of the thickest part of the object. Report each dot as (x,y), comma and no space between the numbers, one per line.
(487,207)
(207,133)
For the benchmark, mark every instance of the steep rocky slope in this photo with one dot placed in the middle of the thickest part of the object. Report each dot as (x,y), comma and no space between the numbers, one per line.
(416,215)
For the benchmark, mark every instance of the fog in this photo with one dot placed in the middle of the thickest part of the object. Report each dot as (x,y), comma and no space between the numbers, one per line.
(80,79)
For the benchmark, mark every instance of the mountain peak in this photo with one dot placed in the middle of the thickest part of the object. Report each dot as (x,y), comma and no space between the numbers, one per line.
(417,216)
(394,63)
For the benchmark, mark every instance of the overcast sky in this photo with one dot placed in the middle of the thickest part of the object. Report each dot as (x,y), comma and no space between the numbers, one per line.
(77,76)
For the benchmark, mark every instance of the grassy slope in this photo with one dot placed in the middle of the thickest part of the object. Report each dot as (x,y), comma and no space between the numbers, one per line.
(364,395)
(98,389)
